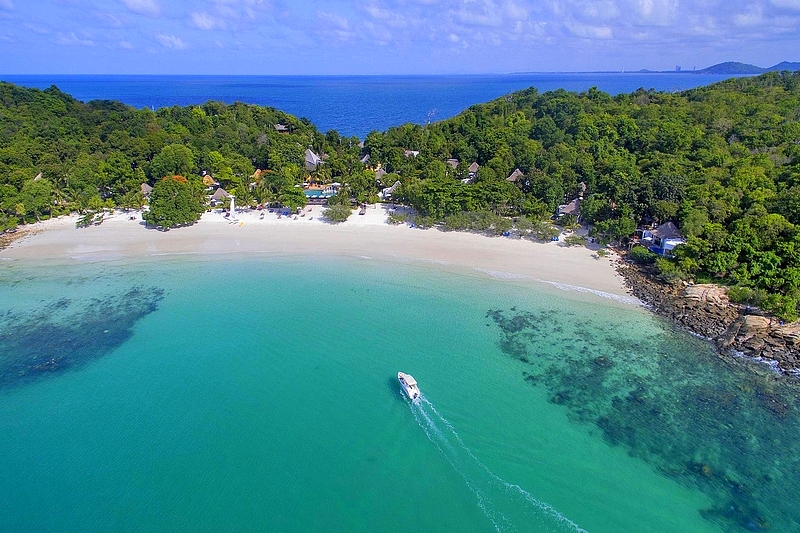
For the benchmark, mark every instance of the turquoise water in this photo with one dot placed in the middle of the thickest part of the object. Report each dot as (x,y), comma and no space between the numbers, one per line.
(261,394)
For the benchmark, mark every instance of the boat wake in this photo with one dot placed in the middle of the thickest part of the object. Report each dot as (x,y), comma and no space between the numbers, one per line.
(508,506)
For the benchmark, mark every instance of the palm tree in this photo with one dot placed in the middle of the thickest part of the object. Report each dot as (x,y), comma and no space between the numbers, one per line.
(264,193)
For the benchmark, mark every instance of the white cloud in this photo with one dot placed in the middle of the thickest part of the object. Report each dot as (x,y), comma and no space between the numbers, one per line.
(788,4)
(343,35)
(486,14)
(514,11)
(704,26)
(240,9)
(753,17)
(110,19)
(204,21)
(337,21)
(588,31)
(601,10)
(170,41)
(6,4)
(72,39)
(126,45)
(36,28)
(387,17)
(511,16)
(143,7)
(660,12)
(378,34)
(334,27)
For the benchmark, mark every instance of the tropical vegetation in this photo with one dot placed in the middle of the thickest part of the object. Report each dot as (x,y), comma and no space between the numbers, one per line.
(337,213)
(721,162)
(59,155)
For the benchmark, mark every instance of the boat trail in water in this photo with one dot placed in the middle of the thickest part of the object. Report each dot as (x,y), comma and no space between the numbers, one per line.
(508,506)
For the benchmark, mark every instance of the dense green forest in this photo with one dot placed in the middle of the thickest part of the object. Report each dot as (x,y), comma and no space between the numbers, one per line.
(722,162)
(59,155)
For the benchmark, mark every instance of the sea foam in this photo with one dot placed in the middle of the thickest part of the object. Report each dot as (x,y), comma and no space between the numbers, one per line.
(498,274)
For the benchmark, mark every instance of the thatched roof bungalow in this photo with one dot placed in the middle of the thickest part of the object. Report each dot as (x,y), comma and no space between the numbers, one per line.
(572,208)
(218,196)
(386,194)
(516,175)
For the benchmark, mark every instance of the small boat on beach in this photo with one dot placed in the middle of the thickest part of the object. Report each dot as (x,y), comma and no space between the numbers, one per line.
(409,385)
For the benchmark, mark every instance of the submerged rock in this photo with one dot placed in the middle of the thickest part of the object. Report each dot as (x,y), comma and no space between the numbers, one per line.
(723,425)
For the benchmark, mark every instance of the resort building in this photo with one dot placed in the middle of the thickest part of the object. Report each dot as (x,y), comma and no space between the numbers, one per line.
(386,194)
(472,173)
(572,208)
(517,174)
(662,239)
(312,160)
(218,197)
(210,183)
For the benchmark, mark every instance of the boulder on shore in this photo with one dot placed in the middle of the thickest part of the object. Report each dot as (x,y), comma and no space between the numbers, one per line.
(706,310)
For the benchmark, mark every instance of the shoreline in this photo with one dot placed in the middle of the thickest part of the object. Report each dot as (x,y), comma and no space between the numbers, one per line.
(119,237)
(705,311)
(698,309)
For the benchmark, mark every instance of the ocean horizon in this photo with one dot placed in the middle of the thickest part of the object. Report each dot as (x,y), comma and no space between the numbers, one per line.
(351,105)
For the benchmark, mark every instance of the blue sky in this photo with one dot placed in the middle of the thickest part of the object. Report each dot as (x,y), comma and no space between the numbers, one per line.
(390,36)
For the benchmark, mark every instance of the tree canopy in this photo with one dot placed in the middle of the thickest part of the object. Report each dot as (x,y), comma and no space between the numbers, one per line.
(722,162)
(175,201)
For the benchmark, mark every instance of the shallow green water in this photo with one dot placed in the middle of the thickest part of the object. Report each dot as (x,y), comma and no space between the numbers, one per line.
(261,395)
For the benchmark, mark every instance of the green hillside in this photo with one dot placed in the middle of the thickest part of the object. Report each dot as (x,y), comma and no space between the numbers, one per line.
(732,67)
(722,162)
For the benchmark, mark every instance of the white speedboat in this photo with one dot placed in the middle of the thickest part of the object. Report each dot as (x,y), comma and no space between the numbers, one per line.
(409,385)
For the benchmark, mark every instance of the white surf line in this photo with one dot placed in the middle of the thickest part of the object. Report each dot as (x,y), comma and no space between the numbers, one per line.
(499,274)
(543,506)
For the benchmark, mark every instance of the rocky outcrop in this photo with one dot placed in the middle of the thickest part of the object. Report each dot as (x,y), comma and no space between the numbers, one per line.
(705,310)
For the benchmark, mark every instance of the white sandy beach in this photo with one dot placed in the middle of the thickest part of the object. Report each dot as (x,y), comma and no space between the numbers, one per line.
(366,236)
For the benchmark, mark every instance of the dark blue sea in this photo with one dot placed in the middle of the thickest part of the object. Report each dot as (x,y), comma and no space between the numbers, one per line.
(352,105)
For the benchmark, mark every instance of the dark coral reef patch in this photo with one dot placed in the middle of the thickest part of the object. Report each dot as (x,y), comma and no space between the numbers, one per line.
(66,334)
(730,428)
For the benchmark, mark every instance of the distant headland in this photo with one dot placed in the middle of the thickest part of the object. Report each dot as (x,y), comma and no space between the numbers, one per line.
(728,67)
(734,67)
